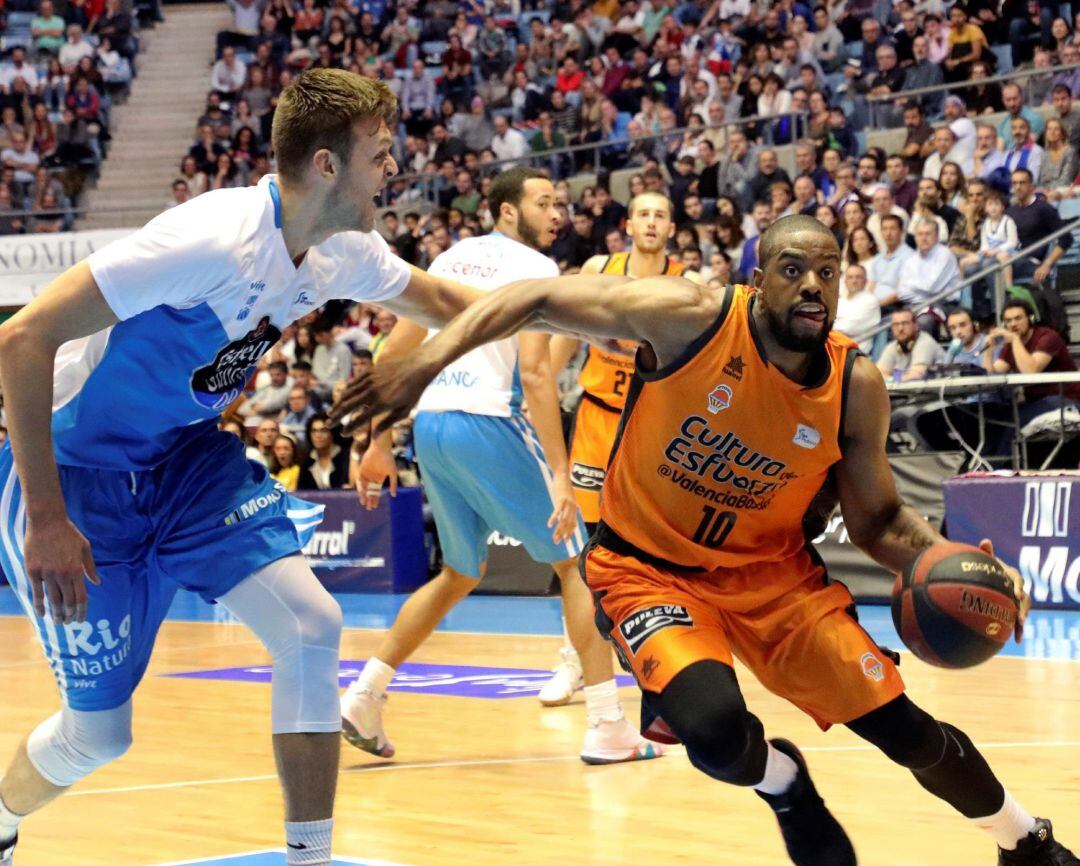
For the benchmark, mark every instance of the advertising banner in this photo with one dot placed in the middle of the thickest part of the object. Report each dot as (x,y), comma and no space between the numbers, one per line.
(1033,523)
(28,263)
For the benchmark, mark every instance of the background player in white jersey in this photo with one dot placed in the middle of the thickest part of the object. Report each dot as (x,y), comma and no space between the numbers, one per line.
(115,473)
(486,468)
(604,377)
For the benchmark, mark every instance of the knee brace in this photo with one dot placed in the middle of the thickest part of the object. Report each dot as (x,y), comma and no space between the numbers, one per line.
(907,735)
(299,623)
(704,707)
(72,744)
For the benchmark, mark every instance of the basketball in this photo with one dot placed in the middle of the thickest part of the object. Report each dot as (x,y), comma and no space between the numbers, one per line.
(954,606)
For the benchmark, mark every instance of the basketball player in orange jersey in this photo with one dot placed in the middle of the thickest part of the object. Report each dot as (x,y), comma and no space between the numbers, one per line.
(745,411)
(604,379)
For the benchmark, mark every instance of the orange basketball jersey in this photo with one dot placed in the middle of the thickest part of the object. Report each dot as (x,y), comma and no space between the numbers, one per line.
(719,454)
(607,371)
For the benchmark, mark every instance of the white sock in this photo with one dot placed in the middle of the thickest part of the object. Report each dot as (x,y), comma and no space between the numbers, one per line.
(602,702)
(308,842)
(9,822)
(1008,825)
(375,677)
(780,772)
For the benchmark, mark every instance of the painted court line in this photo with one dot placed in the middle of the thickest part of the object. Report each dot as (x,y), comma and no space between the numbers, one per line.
(499,762)
(338,858)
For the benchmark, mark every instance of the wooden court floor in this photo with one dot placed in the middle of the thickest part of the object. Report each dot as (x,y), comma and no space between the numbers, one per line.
(496,782)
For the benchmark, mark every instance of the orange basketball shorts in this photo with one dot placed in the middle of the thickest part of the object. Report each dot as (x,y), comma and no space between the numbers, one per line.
(590,450)
(804,645)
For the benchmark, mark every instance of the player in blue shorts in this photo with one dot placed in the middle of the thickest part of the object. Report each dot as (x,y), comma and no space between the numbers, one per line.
(487,468)
(116,487)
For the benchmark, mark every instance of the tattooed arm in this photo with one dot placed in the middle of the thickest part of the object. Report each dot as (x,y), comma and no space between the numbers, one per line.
(877,519)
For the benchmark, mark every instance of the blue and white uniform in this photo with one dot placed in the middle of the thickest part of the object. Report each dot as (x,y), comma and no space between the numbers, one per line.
(164,498)
(483,466)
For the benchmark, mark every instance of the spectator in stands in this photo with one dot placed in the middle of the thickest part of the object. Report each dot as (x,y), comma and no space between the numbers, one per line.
(12,221)
(285,470)
(327,467)
(1061,99)
(911,353)
(189,172)
(965,237)
(180,193)
(22,159)
(928,273)
(1013,98)
(508,143)
(298,411)
(904,190)
(1025,152)
(944,151)
(967,42)
(384,322)
(918,144)
(228,75)
(262,450)
(418,100)
(983,98)
(19,68)
(988,157)
(1035,219)
(245,25)
(883,203)
(1059,165)
(47,29)
(47,215)
(922,73)
(858,312)
(1030,348)
(75,49)
(331,360)
(269,401)
(844,190)
(953,185)
(884,270)
(1070,56)
(841,136)
(968,345)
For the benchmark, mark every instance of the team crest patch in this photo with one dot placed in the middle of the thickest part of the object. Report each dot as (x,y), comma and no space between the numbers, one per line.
(217,384)
(639,627)
(806,437)
(587,477)
(734,367)
(872,667)
(719,399)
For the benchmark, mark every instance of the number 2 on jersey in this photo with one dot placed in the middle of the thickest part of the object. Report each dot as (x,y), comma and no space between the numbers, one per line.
(714,528)
(621,378)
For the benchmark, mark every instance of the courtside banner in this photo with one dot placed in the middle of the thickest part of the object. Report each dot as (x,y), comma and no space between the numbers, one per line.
(1033,520)
(28,263)
(918,478)
(355,550)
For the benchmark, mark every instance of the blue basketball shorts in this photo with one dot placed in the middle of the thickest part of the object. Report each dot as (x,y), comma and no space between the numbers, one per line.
(203,520)
(485,474)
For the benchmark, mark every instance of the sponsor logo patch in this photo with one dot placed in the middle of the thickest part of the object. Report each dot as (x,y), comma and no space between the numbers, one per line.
(220,382)
(719,399)
(734,367)
(639,627)
(872,667)
(806,437)
(587,477)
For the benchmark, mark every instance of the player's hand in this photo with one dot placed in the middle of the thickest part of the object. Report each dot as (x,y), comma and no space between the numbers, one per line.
(389,389)
(376,467)
(564,516)
(1023,600)
(58,564)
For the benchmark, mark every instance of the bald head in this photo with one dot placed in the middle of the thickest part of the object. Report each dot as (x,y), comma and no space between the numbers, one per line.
(777,236)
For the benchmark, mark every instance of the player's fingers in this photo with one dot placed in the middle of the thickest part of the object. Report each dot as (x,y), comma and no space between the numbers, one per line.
(389,420)
(987,546)
(89,568)
(37,591)
(393,481)
(56,597)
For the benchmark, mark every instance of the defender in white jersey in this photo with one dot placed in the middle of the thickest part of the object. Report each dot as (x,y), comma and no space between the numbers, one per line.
(115,474)
(487,468)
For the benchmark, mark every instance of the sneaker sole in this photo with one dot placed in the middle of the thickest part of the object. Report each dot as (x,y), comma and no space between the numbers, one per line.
(598,759)
(365,744)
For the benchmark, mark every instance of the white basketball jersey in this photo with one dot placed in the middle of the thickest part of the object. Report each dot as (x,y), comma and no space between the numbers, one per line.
(485,381)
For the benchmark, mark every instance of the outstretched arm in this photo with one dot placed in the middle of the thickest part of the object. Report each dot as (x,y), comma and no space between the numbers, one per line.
(667,312)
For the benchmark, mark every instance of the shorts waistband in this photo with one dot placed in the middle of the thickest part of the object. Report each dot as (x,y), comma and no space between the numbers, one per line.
(609,539)
(596,401)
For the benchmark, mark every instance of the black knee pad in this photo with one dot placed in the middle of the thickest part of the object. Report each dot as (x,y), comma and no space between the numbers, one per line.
(704,708)
(907,735)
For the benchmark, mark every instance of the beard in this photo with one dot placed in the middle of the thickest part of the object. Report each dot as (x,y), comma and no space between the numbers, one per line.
(784,330)
(529,235)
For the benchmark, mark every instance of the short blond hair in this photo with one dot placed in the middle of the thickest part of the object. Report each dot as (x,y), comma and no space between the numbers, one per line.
(650,194)
(318,111)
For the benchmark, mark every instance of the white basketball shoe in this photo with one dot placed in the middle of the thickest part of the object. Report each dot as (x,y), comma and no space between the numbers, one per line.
(361,723)
(565,680)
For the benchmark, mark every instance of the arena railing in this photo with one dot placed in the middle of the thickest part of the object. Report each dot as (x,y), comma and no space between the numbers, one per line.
(993,270)
(544,159)
(958,87)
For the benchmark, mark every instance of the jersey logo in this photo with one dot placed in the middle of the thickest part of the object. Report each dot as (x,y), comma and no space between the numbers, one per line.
(639,627)
(587,477)
(719,399)
(256,289)
(304,300)
(734,367)
(872,667)
(217,384)
(806,437)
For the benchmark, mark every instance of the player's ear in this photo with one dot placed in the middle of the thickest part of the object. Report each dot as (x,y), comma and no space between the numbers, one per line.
(324,163)
(758,278)
(671,230)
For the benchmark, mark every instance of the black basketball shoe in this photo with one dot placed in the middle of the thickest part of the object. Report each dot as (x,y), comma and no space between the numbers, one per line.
(7,851)
(812,835)
(1038,848)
